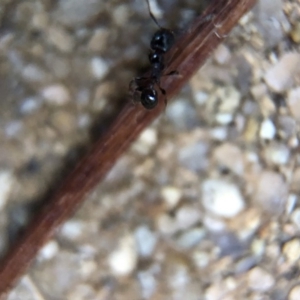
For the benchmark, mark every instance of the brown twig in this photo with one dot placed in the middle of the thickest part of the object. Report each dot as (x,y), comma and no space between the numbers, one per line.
(188,54)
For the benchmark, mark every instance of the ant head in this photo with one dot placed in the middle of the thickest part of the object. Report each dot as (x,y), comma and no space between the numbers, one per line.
(162,40)
(149,98)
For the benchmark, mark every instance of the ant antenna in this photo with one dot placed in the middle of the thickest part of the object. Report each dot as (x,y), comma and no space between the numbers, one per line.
(151,14)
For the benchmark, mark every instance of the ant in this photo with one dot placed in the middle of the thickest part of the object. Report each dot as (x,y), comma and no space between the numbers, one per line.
(161,42)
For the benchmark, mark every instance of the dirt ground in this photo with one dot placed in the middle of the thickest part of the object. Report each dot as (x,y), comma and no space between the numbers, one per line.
(204,205)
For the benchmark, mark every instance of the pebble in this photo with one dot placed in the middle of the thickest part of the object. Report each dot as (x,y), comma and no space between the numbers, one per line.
(291,250)
(6,184)
(191,238)
(171,196)
(260,280)
(222,54)
(99,67)
(267,130)
(13,128)
(277,154)
(146,141)
(222,198)
(294,294)
(60,39)
(64,121)
(148,283)
(293,102)
(56,94)
(194,157)
(72,229)
(48,251)
(295,217)
(30,104)
(76,12)
(187,216)
(219,133)
(281,76)
(123,260)
(271,191)
(146,241)
(230,157)
(34,74)
(99,40)
(200,97)
(182,115)
(295,33)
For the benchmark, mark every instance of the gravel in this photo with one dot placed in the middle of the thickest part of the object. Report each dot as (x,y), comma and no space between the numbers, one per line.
(204,204)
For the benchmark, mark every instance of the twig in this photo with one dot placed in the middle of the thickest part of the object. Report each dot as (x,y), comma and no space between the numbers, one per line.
(189,52)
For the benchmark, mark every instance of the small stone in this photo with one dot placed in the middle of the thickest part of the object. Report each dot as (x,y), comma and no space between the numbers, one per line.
(191,238)
(171,196)
(293,102)
(13,128)
(295,35)
(230,157)
(99,40)
(271,191)
(34,74)
(187,216)
(148,283)
(219,133)
(6,184)
(145,241)
(194,157)
(291,250)
(295,217)
(267,130)
(147,140)
(64,121)
(200,97)
(123,260)
(259,280)
(99,67)
(56,94)
(281,76)
(277,154)
(222,198)
(222,54)
(72,229)
(30,104)
(294,293)
(166,224)
(48,251)
(60,39)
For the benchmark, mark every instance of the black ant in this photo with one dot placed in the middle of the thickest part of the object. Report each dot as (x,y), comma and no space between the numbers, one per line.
(161,42)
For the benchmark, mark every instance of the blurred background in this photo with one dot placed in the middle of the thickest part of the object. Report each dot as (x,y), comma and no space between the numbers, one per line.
(204,205)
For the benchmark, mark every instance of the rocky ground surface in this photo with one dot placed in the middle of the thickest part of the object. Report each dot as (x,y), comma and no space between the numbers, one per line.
(205,204)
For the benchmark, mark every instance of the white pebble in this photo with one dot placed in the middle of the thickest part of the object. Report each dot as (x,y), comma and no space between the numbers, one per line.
(171,196)
(259,280)
(72,229)
(30,104)
(123,260)
(13,128)
(291,250)
(281,76)
(271,191)
(267,130)
(48,251)
(295,217)
(222,198)
(56,94)
(191,238)
(294,293)
(187,216)
(6,183)
(224,118)
(219,133)
(145,241)
(222,54)
(277,154)
(99,67)
(293,102)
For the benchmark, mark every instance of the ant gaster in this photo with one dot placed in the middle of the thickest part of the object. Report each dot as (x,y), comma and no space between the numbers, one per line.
(161,42)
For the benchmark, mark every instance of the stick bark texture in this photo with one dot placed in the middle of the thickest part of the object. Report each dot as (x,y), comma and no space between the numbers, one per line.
(188,54)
